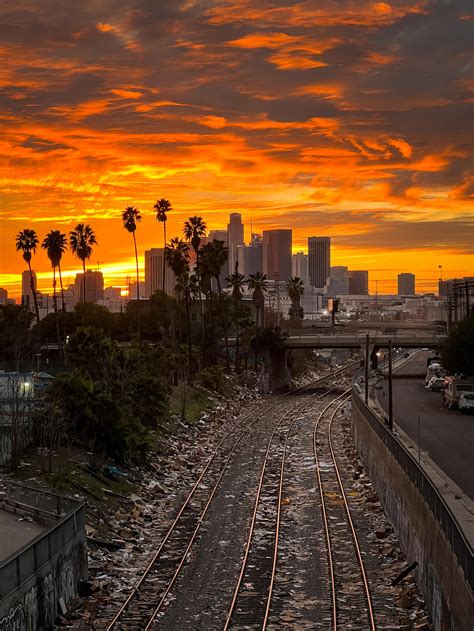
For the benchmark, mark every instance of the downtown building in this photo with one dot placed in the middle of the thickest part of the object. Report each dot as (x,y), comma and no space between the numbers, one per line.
(319,261)
(235,238)
(338,281)
(154,262)
(94,286)
(26,294)
(406,284)
(277,246)
(299,267)
(358,282)
(250,257)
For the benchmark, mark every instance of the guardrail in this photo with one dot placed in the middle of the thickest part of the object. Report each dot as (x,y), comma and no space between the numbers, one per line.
(29,559)
(461,547)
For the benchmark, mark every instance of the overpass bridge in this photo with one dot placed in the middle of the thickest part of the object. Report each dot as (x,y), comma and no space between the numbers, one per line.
(405,339)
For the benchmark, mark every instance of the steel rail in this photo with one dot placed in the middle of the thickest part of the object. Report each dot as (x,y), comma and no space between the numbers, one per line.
(351,523)
(254,415)
(348,515)
(302,405)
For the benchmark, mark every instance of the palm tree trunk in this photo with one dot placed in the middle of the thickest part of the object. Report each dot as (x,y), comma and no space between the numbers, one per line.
(237,336)
(224,323)
(136,261)
(56,314)
(63,303)
(84,281)
(33,292)
(164,248)
(190,348)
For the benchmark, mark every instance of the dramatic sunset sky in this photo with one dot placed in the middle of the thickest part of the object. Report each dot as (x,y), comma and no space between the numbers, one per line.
(350,119)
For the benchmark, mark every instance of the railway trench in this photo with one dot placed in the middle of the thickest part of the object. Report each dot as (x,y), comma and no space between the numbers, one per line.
(232,578)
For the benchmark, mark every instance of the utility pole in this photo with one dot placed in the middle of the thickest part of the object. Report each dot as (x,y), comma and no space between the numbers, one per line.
(390,387)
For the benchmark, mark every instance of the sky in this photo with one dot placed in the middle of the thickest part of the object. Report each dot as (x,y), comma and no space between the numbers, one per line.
(343,118)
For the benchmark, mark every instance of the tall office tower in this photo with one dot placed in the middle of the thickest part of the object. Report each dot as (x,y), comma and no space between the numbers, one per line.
(406,284)
(277,254)
(3,296)
(299,265)
(358,282)
(154,261)
(235,229)
(26,295)
(319,260)
(250,257)
(94,286)
(338,281)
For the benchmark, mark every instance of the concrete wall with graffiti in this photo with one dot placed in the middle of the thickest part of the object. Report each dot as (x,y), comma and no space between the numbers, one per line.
(33,580)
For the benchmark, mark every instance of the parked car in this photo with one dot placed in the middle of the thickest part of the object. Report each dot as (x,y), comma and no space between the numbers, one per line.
(466,402)
(436,384)
(455,387)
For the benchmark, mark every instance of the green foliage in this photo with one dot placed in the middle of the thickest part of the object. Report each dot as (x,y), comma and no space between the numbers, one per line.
(15,325)
(457,352)
(212,378)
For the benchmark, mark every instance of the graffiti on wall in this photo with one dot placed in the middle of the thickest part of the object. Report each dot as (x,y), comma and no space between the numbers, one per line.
(23,615)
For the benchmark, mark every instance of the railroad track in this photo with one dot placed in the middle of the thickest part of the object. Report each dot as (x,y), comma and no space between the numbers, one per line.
(148,597)
(251,603)
(351,602)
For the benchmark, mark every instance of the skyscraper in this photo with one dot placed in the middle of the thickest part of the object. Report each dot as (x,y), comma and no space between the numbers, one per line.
(94,286)
(26,295)
(358,282)
(319,260)
(299,265)
(250,257)
(277,254)
(338,281)
(235,231)
(406,284)
(154,261)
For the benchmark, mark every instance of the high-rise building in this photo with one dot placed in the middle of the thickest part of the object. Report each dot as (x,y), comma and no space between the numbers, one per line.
(26,295)
(112,293)
(250,257)
(299,265)
(319,260)
(154,261)
(235,230)
(218,235)
(338,281)
(277,254)
(94,282)
(3,296)
(358,282)
(406,284)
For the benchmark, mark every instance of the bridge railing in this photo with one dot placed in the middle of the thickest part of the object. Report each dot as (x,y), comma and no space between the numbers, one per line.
(449,525)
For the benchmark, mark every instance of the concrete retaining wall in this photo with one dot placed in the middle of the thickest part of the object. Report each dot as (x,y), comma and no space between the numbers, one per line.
(49,568)
(444,572)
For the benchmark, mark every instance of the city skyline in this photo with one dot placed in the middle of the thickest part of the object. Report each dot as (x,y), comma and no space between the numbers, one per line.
(348,120)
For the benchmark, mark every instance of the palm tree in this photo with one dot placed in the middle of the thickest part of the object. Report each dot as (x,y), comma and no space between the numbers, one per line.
(130,217)
(177,256)
(258,282)
(194,229)
(162,207)
(81,240)
(55,244)
(187,287)
(27,241)
(295,289)
(236,282)
(216,254)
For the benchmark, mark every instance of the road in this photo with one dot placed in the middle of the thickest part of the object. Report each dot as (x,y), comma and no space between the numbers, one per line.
(447,436)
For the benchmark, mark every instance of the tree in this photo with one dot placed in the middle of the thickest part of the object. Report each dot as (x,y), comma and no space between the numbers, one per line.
(27,241)
(81,240)
(215,256)
(55,244)
(457,352)
(187,287)
(177,256)
(130,217)
(194,230)
(295,288)
(162,207)
(236,282)
(258,283)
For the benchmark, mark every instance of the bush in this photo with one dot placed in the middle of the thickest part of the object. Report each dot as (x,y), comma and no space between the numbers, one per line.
(212,378)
